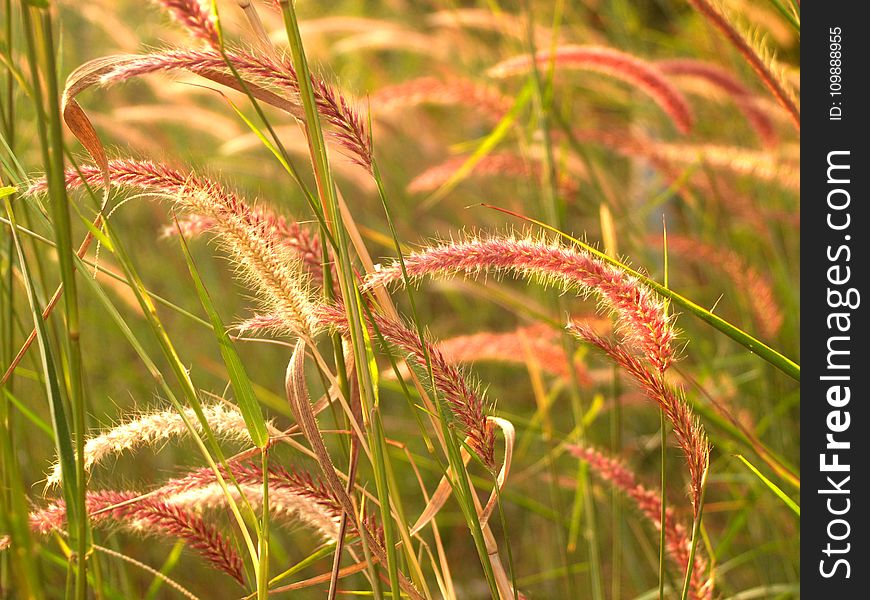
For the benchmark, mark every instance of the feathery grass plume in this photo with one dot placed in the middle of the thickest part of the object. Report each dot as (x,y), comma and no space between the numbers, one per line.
(649,503)
(395,39)
(454,92)
(194,17)
(762,165)
(503,23)
(690,435)
(154,427)
(496,164)
(639,73)
(294,496)
(149,516)
(756,52)
(725,81)
(263,260)
(758,289)
(349,129)
(302,241)
(642,315)
(766,166)
(464,399)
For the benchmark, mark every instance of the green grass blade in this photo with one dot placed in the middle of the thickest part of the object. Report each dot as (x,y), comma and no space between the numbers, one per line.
(754,345)
(241,383)
(53,386)
(794,506)
(248,406)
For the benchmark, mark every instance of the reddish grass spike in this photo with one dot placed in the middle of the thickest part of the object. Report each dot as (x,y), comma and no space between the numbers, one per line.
(677,541)
(463,399)
(689,433)
(760,63)
(454,92)
(253,239)
(620,65)
(194,17)
(496,164)
(149,516)
(643,317)
(202,537)
(722,79)
(350,130)
(758,289)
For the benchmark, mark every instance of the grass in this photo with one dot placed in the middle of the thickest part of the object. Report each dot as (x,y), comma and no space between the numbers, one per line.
(294,391)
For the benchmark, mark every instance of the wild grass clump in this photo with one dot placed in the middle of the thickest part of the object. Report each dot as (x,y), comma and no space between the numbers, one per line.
(348,409)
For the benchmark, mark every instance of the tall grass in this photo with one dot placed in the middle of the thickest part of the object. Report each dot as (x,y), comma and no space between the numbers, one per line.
(386,415)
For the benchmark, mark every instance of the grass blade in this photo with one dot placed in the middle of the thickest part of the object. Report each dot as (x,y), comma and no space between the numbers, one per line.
(794,506)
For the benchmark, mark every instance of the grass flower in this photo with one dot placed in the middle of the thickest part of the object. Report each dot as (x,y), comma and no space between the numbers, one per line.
(641,314)
(649,503)
(155,427)
(690,435)
(639,73)
(263,259)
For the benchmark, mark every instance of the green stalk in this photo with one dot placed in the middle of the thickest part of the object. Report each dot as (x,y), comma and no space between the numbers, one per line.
(51,141)
(696,530)
(359,340)
(448,431)
(554,214)
(50,377)
(263,572)
(664,447)
(13,499)
(664,513)
(62,222)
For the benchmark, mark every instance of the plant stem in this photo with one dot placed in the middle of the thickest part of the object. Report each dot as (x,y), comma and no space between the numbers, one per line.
(696,530)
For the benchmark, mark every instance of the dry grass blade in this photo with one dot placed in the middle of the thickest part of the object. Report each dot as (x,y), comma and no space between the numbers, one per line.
(297,394)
